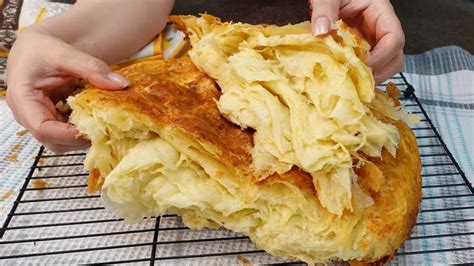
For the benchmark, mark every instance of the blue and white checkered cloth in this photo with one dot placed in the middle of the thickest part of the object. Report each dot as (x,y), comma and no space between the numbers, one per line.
(443,79)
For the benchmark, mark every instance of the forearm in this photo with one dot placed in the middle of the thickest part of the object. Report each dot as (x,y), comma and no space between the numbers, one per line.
(109,29)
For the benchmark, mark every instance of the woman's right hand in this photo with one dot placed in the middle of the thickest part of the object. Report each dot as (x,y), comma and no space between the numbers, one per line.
(40,69)
(376,21)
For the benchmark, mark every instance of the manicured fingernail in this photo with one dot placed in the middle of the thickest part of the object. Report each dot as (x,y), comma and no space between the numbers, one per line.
(321,26)
(118,79)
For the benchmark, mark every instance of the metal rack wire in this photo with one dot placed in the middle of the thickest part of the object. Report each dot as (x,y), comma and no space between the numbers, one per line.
(56,221)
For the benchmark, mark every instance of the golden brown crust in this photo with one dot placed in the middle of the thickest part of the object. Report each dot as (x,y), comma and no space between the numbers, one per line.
(175,93)
(393,93)
(94,181)
(178,23)
(396,204)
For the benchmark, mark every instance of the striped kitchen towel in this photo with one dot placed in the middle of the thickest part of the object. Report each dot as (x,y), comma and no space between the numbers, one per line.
(443,79)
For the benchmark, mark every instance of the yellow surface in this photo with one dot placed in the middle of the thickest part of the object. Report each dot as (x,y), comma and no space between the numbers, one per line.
(158,44)
(40,15)
(306,97)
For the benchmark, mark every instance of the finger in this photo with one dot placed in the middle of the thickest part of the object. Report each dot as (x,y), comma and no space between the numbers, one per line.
(362,15)
(10,100)
(38,114)
(59,149)
(56,132)
(54,82)
(62,92)
(350,9)
(389,37)
(391,68)
(384,50)
(73,62)
(325,12)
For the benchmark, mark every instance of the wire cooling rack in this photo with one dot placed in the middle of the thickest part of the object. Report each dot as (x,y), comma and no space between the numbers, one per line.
(53,220)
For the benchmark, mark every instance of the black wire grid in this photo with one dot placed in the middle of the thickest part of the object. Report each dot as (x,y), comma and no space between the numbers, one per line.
(62,224)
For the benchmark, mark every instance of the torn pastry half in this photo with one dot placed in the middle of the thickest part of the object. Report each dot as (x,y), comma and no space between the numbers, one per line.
(172,143)
(306,98)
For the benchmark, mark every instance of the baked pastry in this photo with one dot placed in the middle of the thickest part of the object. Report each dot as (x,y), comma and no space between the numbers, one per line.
(164,146)
(306,98)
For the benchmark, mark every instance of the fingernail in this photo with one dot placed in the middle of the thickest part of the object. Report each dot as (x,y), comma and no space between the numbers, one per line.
(321,26)
(118,79)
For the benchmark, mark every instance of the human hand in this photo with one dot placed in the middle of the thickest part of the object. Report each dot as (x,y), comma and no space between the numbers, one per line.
(375,20)
(40,70)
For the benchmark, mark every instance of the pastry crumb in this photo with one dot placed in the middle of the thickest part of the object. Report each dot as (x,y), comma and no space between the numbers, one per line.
(80,136)
(40,163)
(39,183)
(15,147)
(243,260)
(12,157)
(7,195)
(21,133)
(63,107)
(413,119)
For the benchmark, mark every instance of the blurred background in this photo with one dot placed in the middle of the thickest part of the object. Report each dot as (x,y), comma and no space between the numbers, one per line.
(427,23)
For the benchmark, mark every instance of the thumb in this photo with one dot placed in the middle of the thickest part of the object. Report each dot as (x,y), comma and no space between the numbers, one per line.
(92,69)
(324,13)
